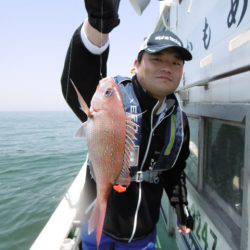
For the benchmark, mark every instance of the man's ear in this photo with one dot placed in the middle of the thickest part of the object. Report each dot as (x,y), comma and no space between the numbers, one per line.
(136,64)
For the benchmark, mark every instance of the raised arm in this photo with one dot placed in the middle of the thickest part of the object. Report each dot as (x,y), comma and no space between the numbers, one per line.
(87,55)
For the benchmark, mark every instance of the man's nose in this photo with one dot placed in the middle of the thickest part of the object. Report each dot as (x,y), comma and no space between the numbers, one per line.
(167,66)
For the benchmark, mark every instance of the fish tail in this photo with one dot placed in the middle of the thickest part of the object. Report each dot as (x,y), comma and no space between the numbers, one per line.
(96,220)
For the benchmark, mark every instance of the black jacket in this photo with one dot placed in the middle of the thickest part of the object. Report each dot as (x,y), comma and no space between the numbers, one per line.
(84,69)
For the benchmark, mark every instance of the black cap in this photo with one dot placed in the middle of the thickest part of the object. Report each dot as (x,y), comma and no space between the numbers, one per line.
(162,40)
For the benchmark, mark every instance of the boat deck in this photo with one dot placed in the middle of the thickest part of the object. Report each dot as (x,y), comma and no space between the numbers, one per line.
(165,240)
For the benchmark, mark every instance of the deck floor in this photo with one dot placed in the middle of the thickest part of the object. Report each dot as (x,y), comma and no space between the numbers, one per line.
(164,240)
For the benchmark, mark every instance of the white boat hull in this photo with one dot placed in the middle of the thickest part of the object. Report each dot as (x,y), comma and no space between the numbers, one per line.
(67,216)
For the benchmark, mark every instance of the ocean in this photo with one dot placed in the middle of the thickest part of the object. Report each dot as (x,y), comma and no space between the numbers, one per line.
(39,159)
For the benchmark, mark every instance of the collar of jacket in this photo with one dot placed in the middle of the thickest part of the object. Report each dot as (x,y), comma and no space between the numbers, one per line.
(147,102)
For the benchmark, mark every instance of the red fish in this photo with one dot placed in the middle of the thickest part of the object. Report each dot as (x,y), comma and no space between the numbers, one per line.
(110,135)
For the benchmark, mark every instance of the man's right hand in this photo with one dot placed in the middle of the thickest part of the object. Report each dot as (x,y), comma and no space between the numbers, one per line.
(103,14)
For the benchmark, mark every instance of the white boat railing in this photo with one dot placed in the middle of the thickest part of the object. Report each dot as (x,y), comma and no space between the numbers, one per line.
(67,215)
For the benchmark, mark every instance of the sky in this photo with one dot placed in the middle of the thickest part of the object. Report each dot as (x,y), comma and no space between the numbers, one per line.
(34,39)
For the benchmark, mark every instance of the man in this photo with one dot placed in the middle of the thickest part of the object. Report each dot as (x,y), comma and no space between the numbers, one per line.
(131,216)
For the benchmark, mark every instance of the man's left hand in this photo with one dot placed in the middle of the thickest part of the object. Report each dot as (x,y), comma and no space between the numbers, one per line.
(184,218)
(183,229)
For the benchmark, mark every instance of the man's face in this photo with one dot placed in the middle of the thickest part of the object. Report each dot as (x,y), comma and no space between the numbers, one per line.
(160,73)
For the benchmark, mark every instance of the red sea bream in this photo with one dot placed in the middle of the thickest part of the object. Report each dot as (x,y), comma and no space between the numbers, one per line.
(110,135)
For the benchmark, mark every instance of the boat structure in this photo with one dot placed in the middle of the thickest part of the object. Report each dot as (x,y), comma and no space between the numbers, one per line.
(215,94)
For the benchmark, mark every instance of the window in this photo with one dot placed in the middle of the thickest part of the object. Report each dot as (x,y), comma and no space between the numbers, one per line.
(192,162)
(224,162)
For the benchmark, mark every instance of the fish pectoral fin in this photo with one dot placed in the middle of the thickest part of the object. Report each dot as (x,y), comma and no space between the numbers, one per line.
(81,133)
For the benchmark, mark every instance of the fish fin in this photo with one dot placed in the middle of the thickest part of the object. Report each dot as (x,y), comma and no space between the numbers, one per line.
(81,131)
(129,154)
(131,130)
(93,219)
(89,208)
(96,220)
(83,104)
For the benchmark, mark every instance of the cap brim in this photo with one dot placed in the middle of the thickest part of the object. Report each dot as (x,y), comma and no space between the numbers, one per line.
(184,53)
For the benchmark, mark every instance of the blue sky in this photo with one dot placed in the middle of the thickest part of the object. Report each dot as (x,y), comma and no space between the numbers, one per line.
(34,40)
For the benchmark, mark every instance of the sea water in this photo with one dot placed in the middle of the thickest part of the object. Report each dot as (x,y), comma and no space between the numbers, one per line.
(39,159)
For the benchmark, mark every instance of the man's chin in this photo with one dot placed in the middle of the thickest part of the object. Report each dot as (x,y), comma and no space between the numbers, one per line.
(163,91)
(160,95)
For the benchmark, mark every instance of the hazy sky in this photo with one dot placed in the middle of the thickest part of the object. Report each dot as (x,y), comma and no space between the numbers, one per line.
(33,44)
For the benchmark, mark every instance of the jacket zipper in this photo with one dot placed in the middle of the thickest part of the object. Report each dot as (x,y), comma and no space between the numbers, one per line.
(143,162)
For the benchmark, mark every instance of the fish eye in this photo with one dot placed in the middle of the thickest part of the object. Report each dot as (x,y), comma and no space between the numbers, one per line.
(108,92)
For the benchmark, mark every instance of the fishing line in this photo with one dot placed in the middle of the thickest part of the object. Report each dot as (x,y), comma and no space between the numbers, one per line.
(70,54)
(70,51)
(101,39)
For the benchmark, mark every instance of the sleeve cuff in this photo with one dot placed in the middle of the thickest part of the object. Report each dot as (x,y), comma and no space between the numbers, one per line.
(90,46)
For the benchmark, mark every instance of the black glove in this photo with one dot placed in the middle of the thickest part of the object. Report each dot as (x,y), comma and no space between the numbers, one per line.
(184,218)
(103,14)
